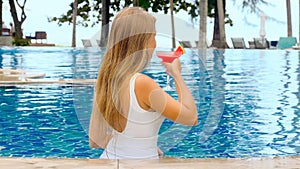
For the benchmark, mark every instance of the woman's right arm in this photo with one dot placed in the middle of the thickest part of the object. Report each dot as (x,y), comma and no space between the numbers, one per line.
(183,111)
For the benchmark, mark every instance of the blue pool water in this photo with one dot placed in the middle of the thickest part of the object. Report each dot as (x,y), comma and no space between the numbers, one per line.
(248,104)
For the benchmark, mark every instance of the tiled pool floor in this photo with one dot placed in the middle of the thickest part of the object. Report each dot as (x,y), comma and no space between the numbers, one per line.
(165,163)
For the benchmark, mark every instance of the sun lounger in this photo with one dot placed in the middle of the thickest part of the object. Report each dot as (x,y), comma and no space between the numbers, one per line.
(39,35)
(251,44)
(185,44)
(86,43)
(261,44)
(98,42)
(5,32)
(286,42)
(273,44)
(238,43)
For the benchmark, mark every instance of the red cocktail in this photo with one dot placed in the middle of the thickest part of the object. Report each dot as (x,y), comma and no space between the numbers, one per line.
(170,56)
(167,56)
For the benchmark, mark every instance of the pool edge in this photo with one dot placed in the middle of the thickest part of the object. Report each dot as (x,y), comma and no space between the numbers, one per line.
(207,163)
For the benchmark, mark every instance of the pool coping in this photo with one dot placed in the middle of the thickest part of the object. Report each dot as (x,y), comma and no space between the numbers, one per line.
(172,163)
(49,81)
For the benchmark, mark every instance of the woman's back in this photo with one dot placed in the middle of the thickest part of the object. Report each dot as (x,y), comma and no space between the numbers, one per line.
(139,138)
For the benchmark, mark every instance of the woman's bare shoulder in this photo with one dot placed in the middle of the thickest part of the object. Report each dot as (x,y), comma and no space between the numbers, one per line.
(144,86)
(144,81)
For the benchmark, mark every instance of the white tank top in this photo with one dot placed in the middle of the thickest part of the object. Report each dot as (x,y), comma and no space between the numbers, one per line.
(139,138)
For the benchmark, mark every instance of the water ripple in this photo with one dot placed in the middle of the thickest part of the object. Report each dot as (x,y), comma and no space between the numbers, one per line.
(248,104)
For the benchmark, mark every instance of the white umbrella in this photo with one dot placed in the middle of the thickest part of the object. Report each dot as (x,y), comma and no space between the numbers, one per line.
(262,31)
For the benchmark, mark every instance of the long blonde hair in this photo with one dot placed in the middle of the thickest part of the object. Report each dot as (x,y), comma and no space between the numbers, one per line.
(126,54)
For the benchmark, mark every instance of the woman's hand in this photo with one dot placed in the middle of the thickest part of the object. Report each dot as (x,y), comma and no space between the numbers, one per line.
(173,68)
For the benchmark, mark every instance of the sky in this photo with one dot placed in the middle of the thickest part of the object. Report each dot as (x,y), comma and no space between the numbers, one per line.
(245,23)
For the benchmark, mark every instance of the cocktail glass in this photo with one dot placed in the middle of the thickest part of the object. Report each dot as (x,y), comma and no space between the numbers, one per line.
(168,56)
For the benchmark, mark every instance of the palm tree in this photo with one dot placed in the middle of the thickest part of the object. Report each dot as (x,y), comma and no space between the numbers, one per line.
(299,25)
(136,3)
(289,18)
(202,44)
(104,23)
(75,7)
(222,40)
(202,26)
(1,2)
(219,37)
(172,22)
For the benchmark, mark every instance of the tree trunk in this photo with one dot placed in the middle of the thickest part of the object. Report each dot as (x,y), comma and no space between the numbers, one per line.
(299,24)
(216,34)
(202,44)
(18,24)
(221,13)
(136,3)
(289,18)
(219,38)
(75,7)
(105,23)
(172,24)
(1,2)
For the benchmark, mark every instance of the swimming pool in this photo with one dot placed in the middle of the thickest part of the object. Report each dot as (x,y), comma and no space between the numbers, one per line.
(248,104)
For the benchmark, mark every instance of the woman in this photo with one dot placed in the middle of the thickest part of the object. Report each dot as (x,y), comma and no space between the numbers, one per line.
(129,107)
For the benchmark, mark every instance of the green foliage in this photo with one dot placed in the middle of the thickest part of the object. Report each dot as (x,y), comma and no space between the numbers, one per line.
(210,11)
(90,13)
(252,4)
(21,42)
(83,11)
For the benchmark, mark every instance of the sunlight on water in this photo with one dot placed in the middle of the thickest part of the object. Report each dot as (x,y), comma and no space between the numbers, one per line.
(247,100)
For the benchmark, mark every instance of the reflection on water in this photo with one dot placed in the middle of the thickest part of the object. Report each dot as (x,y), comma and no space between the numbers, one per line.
(248,104)
(262,90)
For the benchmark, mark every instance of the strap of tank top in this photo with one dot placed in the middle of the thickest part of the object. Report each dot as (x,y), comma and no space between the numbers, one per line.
(133,98)
(132,83)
